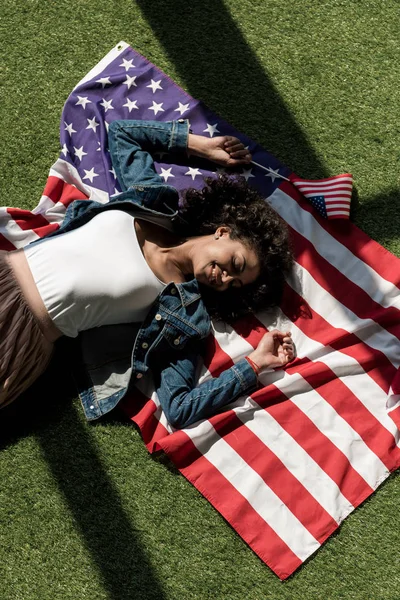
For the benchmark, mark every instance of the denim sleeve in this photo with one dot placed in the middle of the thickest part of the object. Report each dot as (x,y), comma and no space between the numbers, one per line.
(132,142)
(183,403)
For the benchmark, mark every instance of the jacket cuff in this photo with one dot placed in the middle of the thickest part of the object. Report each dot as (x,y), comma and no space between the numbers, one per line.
(246,375)
(179,136)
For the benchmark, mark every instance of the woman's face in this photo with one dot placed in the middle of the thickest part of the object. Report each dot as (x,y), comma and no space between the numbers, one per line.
(221,262)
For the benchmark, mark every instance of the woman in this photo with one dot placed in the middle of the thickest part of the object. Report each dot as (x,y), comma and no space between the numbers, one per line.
(137,280)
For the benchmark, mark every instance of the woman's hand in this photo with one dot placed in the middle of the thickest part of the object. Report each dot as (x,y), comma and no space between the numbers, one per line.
(224,150)
(276,349)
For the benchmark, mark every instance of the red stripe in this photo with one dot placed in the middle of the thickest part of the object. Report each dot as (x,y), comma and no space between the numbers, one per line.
(27,220)
(231,504)
(345,291)
(43,231)
(337,191)
(395,415)
(250,329)
(374,362)
(322,379)
(318,446)
(276,476)
(141,410)
(295,178)
(59,191)
(339,216)
(5,244)
(358,242)
(323,190)
(216,360)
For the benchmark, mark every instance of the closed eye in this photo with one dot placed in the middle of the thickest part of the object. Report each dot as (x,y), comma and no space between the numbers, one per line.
(237,266)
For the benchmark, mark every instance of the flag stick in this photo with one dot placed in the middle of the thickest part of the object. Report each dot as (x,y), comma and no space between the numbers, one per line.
(253,162)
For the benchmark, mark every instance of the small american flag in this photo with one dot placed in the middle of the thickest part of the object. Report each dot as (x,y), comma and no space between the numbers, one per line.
(331,197)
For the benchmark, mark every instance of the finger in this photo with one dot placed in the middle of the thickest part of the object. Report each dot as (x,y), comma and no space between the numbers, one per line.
(276,332)
(239,153)
(231,141)
(236,148)
(232,162)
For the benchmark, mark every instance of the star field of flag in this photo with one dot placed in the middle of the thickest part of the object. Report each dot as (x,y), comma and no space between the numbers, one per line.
(131,88)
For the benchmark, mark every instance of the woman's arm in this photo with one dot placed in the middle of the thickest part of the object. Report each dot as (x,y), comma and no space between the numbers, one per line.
(131,144)
(183,403)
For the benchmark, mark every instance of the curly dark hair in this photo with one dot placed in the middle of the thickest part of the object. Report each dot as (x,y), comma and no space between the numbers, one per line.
(231,202)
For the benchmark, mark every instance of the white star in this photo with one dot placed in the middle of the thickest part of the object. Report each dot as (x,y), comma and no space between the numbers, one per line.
(220,170)
(112,170)
(211,129)
(130,81)
(156,107)
(107,104)
(99,148)
(127,64)
(166,173)
(79,152)
(130,104)
(273,174)
(182,108)
(247,173)
(90,174)
(69,128)
(92,124)
(64,150)
(104,81)
(155,85)
(193,172)
(83,100)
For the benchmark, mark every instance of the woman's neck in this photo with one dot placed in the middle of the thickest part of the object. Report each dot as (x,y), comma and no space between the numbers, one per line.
(167,255)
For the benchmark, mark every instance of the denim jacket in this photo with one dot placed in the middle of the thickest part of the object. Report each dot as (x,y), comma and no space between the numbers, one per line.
(169,341)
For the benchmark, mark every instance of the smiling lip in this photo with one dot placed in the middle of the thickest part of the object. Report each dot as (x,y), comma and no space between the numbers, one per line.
(215,277)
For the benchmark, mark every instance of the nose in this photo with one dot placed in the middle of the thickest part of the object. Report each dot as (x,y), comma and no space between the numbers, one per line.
(226,278)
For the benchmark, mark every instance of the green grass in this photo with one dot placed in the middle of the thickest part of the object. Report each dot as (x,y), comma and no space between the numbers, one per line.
(85,512)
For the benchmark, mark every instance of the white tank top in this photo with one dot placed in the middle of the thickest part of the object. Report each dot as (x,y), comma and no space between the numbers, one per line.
(94,275)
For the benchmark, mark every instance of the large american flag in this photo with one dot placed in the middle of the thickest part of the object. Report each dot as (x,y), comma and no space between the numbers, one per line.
(287,464)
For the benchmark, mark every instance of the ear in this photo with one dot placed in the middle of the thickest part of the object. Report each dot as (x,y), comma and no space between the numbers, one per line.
(222,231)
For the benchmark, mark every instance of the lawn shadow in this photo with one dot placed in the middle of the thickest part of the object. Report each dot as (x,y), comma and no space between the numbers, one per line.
(386,207)
(209,52)
(70,452)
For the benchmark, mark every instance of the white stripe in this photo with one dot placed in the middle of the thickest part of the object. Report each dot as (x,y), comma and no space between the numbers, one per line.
(254,489)
(325,491)
(329,195)
(336,213)
(393,401)
(68,173)
(382,291)
(340,181)
(339,316)
(345,367)
(13,232)
(108,58)
(348,370)
(326,189)
(334,427)
(342,205)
